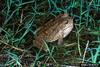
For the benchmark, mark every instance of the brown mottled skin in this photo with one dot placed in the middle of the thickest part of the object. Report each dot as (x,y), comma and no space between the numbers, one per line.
(55,29)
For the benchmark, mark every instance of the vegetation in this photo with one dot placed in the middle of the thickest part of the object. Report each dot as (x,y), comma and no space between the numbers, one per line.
(19,20)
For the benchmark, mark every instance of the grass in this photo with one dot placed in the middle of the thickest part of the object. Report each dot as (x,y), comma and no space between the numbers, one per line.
(19,20)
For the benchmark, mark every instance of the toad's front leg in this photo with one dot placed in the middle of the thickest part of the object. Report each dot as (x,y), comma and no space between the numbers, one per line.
(60,38)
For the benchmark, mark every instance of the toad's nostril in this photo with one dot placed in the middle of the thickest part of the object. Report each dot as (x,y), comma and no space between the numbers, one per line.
(65,15)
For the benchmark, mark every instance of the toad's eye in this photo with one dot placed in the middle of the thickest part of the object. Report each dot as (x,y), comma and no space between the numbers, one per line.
(66,22)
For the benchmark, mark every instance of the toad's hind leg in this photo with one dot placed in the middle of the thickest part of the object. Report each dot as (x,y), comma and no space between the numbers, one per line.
(39,44)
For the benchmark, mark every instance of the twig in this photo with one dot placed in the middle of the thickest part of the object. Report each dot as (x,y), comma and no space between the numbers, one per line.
(19,49)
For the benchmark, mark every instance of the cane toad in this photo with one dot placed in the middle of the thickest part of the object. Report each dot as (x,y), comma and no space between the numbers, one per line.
(55,29)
